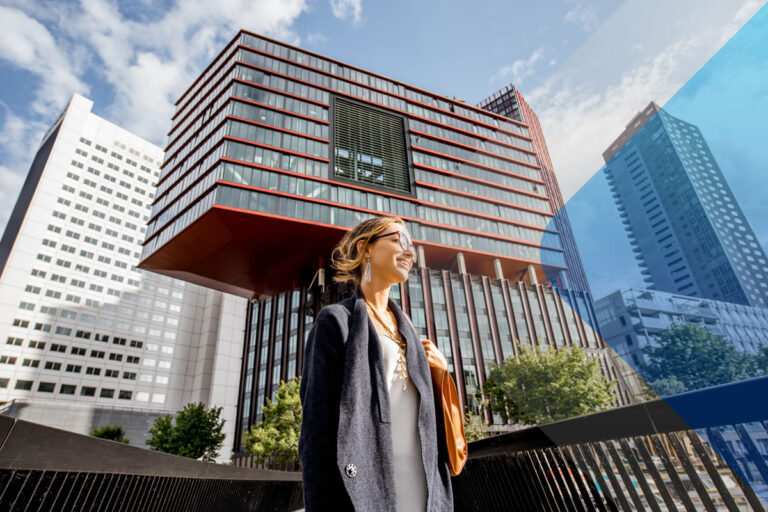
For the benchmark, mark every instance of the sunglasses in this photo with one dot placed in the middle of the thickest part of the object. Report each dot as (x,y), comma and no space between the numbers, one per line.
(405,242)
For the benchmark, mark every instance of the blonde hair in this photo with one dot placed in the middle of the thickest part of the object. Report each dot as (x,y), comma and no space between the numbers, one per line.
(345,258)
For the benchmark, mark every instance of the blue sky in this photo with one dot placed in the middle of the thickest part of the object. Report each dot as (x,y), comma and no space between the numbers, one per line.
(585,66)
(727,99)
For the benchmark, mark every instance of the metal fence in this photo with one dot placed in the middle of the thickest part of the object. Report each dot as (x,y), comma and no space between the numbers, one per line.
(271,462)
(705,450)
(43,468)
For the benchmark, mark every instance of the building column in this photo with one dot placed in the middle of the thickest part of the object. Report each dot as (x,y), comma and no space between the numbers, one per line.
(462,264)
(532,274)
(498,269)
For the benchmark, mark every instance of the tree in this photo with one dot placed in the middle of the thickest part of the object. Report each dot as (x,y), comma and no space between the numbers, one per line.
(761,361)
(197,432)
(112,433)
(689,357)
(474,426)
(541,386)
(278,433)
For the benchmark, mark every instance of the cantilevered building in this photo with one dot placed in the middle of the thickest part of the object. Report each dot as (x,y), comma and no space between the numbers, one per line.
(275,152)
(89,339)
(687,230)
(510,103)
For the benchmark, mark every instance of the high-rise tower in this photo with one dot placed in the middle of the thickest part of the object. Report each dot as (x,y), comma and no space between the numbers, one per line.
(89,338)
(684,223)
(510,103)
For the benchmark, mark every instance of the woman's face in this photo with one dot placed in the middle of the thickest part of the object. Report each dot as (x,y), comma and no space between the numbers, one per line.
(389,261)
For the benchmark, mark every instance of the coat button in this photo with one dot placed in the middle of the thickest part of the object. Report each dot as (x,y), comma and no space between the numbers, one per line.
(351,470)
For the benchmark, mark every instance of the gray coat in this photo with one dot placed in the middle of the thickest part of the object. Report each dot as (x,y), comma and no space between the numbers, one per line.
(345,445)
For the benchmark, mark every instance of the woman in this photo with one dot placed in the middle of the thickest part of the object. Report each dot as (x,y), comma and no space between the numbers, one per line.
(369,435)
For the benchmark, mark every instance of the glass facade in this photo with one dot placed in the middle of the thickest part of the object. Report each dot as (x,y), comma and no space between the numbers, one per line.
(691,236)
(631,320)
(440,302)
(272,131)
(292,145)
(509,102)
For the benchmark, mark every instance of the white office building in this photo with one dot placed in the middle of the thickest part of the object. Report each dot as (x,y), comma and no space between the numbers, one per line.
(86,338)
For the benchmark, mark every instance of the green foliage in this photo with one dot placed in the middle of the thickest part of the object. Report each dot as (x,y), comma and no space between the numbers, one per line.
(474,427)
(196,433)
(110,432)
(761,361)
(279,431)
(694,358)
(545,386)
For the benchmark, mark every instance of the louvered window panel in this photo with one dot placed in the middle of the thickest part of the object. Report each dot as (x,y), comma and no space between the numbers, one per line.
(369,146)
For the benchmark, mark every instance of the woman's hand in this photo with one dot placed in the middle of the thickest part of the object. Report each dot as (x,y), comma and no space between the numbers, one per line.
(434,357)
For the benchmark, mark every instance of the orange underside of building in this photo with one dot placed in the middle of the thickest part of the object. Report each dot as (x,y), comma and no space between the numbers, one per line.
(250,254)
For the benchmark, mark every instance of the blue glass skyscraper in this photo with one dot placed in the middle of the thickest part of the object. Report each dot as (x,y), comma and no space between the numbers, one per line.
(685,226)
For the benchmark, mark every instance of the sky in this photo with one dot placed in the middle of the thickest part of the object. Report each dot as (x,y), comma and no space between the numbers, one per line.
(585,66)
(727,99)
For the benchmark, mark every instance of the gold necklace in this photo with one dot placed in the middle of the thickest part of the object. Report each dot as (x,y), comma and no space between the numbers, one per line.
(401,344)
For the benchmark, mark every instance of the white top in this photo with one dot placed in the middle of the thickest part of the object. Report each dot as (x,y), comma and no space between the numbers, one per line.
(410,479)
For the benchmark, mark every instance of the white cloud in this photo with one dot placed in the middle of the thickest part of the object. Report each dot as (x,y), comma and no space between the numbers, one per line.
(316,38)
(586,104)
(582,15)
(522,68)
(346,9)
(28,45)
(20,140)
(148,65)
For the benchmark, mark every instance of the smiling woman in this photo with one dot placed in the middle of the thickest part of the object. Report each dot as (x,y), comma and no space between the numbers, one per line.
(369,437)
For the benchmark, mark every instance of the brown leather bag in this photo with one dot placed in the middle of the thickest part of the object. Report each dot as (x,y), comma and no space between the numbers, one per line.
(453,417)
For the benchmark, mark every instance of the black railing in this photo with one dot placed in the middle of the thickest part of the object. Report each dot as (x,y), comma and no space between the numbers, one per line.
(703,450)
(43,468)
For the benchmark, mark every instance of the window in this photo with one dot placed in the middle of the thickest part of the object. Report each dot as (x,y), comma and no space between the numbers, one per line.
(73,368)
(32,363)
(107,393)
(370,146)
(50,365)
(132,359)
(20,323)
(129,375)
(67,389)
(46,387)
(92,371)
(25,385)
(87,391)
(40,345)
(115,357)
(7,360)
(4,382)
(111,373)
(14,341)
(125,395)
(97,353)
(58,348)
(78,351)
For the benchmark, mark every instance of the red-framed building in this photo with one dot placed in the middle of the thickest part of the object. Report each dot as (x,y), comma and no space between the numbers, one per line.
(275,151)
(510,103)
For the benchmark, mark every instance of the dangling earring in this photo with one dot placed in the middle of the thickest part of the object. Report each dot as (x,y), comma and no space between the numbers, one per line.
(368,270)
